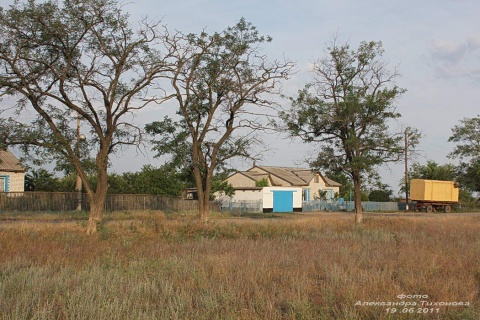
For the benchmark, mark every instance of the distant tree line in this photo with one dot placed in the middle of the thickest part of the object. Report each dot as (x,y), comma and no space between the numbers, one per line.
(149,180)
(164,180)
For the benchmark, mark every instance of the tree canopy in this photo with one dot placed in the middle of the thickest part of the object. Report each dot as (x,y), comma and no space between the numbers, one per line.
(81,58)
(466,137)
(346,111)
(380,195)
(433,171)
(224,87)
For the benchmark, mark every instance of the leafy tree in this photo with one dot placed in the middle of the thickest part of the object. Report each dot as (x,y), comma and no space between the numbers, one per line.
(346,111)
(119,183)
(322,194)
(41,180)
(433,171)
(345,181)
(45,181)
(163,181)
(223,86)
(466,137)
(149,180)
(221,185)
(262,183)
(381,195)
(469,175)
(80,59)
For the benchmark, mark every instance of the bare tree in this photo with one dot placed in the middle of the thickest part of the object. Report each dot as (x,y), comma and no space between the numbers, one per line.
(80,59)
(225,89)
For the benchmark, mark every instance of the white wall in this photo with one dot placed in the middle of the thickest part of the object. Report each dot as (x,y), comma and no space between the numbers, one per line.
(268,196)
(264,194)
(240,195)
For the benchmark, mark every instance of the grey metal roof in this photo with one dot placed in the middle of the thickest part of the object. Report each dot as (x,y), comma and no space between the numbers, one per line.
(9,163)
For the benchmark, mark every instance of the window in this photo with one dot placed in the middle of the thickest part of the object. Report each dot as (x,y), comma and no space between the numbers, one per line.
(315,179)
(329,194)
(306,195)
(3,184)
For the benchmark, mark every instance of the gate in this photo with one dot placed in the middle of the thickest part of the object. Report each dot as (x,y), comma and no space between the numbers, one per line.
(282,201)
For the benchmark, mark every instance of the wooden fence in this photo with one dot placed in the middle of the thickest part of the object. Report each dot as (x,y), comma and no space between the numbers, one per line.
(67,201)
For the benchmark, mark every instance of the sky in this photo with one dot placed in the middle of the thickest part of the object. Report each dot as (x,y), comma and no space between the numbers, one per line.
(435,45)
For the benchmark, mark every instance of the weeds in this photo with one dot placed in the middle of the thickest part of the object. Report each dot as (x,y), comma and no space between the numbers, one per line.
(320,267)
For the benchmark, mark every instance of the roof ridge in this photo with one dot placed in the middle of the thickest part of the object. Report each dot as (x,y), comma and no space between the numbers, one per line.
(286,174)
(300,177)
(283,167)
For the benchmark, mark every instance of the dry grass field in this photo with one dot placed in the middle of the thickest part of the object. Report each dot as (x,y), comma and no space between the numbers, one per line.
(307,266)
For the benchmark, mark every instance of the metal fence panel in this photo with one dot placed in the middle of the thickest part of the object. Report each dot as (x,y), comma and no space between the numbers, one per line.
(242,206)
(368,206)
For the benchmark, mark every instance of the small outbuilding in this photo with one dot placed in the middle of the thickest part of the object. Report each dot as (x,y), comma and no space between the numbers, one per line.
(12,173)
(282,189)
(282,199)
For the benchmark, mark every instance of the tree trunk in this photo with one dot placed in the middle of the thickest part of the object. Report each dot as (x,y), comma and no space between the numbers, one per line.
(357,197)
(204,207)
(97,199)
(97,207)
(204,198)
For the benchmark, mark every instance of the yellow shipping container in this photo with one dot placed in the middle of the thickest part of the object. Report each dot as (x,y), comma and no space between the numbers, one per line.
(433,190)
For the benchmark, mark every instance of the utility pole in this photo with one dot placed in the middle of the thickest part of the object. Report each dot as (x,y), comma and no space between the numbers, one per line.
(78,181)
(406,169)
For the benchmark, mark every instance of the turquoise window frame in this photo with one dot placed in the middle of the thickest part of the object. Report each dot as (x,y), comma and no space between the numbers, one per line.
(306,195)
(7,182)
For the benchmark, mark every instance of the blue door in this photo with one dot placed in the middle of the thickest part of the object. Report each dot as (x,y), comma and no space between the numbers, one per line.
(282,201)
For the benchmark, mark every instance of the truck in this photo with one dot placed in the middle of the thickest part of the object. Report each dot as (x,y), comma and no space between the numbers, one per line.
(433,195)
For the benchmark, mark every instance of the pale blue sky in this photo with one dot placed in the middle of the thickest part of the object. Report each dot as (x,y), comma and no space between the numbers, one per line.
(434,43)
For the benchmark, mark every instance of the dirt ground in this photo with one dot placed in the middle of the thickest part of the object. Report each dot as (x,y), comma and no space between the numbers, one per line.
(345,215)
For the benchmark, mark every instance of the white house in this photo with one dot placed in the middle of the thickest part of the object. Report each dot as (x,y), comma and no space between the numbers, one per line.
(275,185)
(12,173)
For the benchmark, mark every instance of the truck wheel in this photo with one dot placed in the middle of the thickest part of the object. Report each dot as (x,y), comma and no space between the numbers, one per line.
(429,209)
(448,209)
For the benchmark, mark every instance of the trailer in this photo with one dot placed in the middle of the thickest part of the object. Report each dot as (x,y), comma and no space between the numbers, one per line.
(433,195)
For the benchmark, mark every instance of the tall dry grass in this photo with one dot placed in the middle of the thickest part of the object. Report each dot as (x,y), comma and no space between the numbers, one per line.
(317,267)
